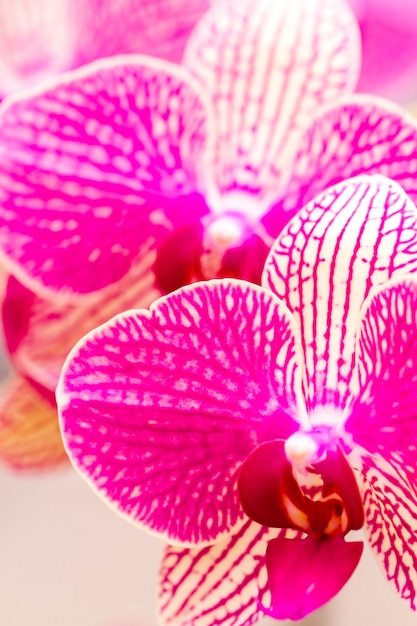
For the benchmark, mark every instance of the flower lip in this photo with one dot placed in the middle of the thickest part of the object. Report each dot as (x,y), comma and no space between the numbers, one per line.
(216,246)
(326,565)
(316,494)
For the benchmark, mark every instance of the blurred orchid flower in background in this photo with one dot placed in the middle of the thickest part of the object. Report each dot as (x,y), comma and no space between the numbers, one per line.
(38,39)
(231,411)
(42,38)
(132,176)
(389,48)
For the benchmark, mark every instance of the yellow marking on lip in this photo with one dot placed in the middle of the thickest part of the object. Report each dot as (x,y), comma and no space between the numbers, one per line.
(296,515)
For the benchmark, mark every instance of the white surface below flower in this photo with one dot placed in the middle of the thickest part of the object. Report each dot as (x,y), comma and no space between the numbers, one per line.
(76,563)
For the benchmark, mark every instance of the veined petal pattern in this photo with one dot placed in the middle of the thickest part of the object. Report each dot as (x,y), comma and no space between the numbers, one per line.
(383,416)
(352,237)
(268,66)
(94,165)
(361,134)
(158,410)
(390,504)
(218,584)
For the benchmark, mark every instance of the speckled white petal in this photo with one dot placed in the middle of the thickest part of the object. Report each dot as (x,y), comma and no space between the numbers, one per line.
(268,66)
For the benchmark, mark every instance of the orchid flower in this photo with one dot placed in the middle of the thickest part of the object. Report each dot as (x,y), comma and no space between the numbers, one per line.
(41,38)
(150,176)
(254,427)
(389,48)
(124,179)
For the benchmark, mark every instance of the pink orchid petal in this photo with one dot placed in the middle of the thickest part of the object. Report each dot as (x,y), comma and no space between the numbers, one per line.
(304,574)
(383,418)
(389,47)
(218,584)
(94,167)
(41,38)
(359,135)
(268,66)
(40,332)
(390,503)
(30,439)
(158,410)
(355,235)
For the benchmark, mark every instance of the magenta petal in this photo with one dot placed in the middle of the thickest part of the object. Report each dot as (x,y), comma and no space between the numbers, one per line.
(94,167)
(304,574)
(323,265)
(389,47)
(360,135)
(159,409)
(268,65)
(383,418)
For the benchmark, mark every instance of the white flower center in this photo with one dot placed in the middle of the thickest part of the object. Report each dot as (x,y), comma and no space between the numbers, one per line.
(301,449)
(224,232)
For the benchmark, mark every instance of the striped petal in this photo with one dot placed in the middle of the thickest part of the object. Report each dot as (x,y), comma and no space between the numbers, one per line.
(323,265)
(268,66)
(40,38)
(95,166)
(30,439)
(391,512)
(219,584)
(158,410)
(360,135)
(40,332)
(383,418)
